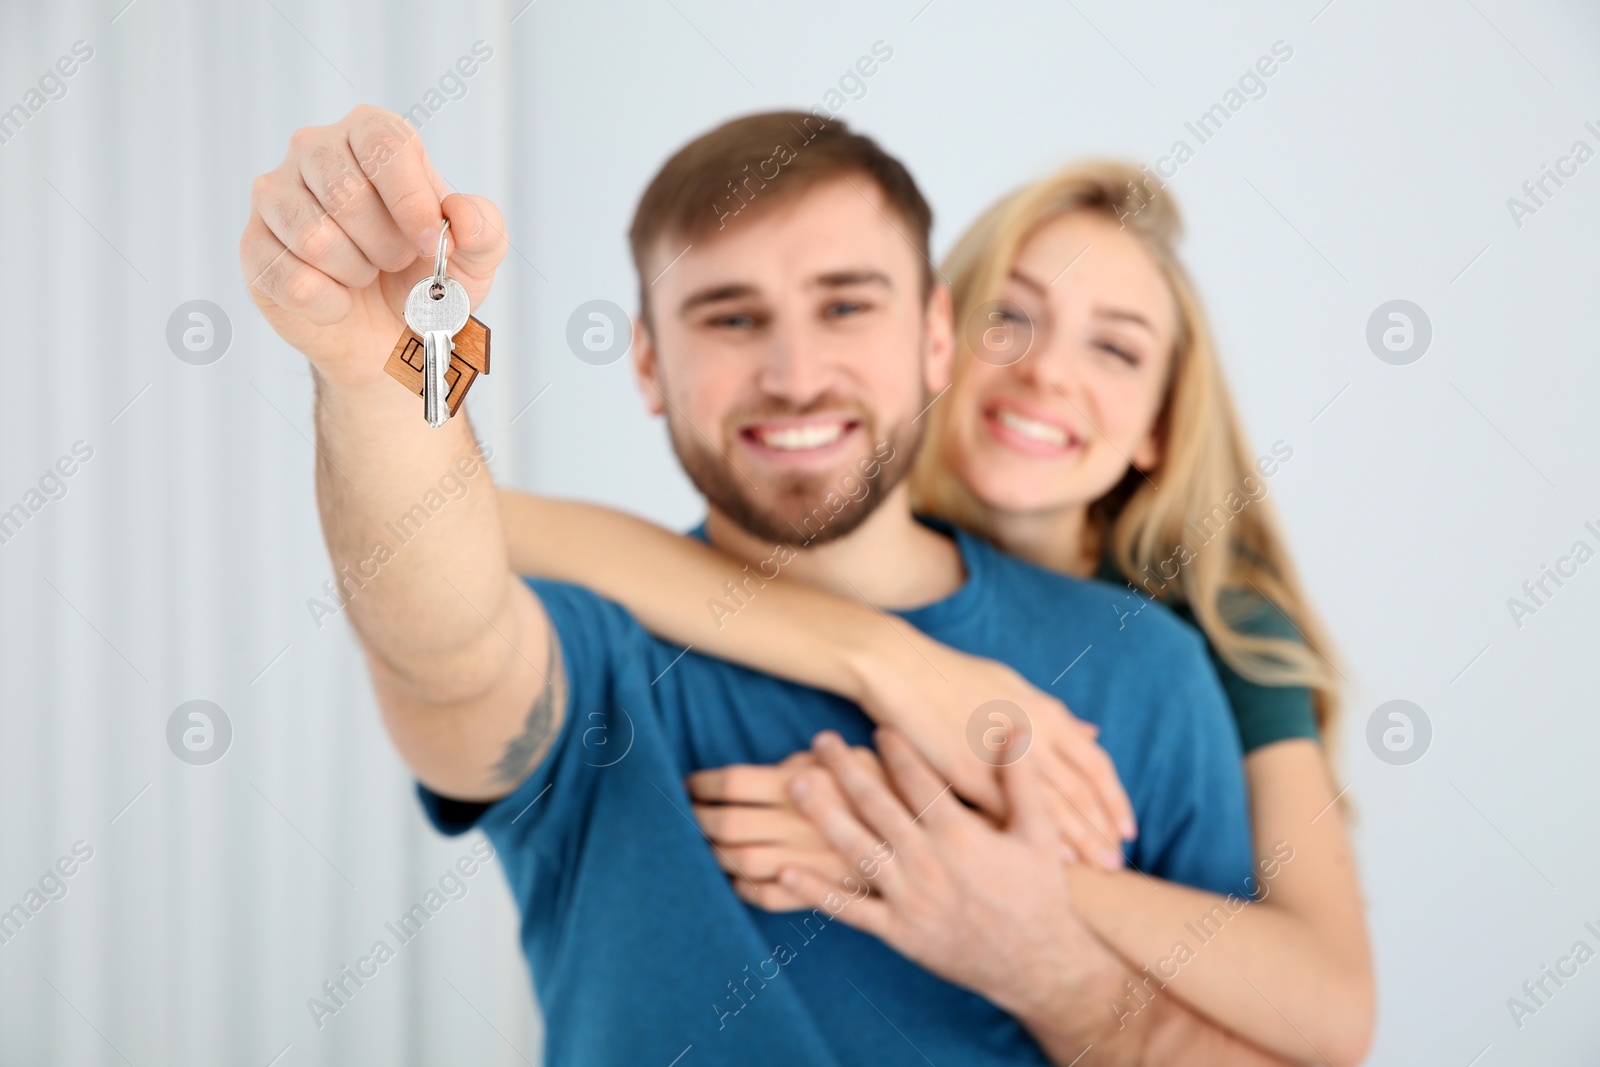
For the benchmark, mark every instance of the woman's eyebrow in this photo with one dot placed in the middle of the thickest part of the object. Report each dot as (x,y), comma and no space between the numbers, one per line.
(1120,314)
(1029,281)
(1124,315)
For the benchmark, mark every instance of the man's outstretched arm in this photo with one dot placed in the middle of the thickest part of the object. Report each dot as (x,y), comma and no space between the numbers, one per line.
(462,657)
(461,652)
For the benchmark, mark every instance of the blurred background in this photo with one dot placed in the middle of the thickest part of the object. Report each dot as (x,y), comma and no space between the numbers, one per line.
(159,543)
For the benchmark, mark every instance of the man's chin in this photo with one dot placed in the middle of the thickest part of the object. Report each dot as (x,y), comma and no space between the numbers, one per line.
(802,515)
(800,508)
(822,512)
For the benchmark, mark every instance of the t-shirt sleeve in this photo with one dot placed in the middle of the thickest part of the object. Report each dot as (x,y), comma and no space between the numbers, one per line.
(543,811)
(1266,713)
(1201,833)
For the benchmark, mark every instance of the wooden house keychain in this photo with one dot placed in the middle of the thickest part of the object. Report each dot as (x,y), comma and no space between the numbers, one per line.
(444,348)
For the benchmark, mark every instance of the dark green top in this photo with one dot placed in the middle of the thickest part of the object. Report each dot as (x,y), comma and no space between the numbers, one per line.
(1264,713)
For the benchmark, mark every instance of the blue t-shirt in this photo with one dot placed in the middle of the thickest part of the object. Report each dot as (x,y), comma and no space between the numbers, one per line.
(638,946)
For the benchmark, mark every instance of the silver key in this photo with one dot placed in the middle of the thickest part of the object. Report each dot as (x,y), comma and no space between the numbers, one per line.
(436,309)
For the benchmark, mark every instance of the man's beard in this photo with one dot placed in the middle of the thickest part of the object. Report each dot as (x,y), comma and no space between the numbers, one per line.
(792,508)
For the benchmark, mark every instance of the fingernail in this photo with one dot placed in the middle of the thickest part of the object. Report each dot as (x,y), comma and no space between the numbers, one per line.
(1069,853)
(788,877)
(827,739)
(1129,830)
(798,788)
(1110,859)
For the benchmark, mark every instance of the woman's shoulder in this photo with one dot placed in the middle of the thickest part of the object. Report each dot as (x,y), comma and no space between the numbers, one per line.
(1253,615)
(1264,713)
(1244,610)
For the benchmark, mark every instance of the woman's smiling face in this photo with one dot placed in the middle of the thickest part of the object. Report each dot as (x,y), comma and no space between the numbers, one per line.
(1056,429)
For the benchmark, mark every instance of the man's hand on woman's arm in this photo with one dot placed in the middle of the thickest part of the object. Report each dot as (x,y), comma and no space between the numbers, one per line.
(459,649)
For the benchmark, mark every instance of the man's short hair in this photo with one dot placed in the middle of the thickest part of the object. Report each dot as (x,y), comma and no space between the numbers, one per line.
(749,164)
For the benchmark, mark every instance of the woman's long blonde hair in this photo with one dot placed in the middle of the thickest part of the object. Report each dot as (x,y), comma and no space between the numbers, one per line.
(1205,469)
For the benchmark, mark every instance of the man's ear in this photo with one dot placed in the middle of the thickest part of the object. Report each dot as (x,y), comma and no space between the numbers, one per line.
(939,358)
(646,372)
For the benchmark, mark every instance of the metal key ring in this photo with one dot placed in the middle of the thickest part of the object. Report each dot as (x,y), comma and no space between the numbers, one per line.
(439,258)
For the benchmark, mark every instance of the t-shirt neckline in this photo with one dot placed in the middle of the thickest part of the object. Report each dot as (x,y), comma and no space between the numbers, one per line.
(967,600)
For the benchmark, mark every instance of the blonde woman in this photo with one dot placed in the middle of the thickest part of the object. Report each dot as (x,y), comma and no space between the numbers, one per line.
(1088,430)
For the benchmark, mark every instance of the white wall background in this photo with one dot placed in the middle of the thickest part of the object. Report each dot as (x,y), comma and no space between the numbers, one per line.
(179,562)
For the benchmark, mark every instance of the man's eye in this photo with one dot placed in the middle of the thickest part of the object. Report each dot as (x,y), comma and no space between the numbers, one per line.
(736,321)
(843,308)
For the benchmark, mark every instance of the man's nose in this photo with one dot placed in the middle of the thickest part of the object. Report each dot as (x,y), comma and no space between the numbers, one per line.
(795,367)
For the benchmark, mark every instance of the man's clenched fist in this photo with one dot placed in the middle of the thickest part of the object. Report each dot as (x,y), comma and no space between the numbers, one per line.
(344,227)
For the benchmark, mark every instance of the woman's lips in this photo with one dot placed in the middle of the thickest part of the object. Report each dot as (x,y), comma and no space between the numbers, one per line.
(1029,433)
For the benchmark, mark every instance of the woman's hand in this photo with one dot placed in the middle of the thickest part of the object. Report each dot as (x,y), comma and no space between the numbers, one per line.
(970,716)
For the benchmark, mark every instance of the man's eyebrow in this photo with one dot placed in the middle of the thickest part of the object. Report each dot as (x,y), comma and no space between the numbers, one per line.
(839,278)
(715,294)
(1101,311)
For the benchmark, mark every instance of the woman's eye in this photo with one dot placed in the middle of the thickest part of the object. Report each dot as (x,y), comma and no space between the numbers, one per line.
(1006,310)
(1121,353)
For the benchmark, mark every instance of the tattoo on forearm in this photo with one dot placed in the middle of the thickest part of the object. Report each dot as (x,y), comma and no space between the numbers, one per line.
(526,749)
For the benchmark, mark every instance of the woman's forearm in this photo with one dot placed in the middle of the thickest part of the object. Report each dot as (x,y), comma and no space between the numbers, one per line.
(687,592)
(1238,964)
(1291,971)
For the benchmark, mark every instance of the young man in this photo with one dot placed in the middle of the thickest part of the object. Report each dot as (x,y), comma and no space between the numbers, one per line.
(791,334)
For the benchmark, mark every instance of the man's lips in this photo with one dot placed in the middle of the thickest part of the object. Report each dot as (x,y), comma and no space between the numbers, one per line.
(806,437)
(1029,429)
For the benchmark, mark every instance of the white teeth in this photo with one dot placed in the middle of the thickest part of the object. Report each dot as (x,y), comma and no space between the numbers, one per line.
(1039,431)
(796,438)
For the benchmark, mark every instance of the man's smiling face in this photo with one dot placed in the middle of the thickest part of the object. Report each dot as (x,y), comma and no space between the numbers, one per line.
(787,348)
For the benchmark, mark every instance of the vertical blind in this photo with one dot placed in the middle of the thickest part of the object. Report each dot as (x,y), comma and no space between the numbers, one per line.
(211,907)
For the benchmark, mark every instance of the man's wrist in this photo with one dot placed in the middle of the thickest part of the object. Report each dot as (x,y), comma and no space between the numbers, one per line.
(354,410)
(363,389)
(1075,1010)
